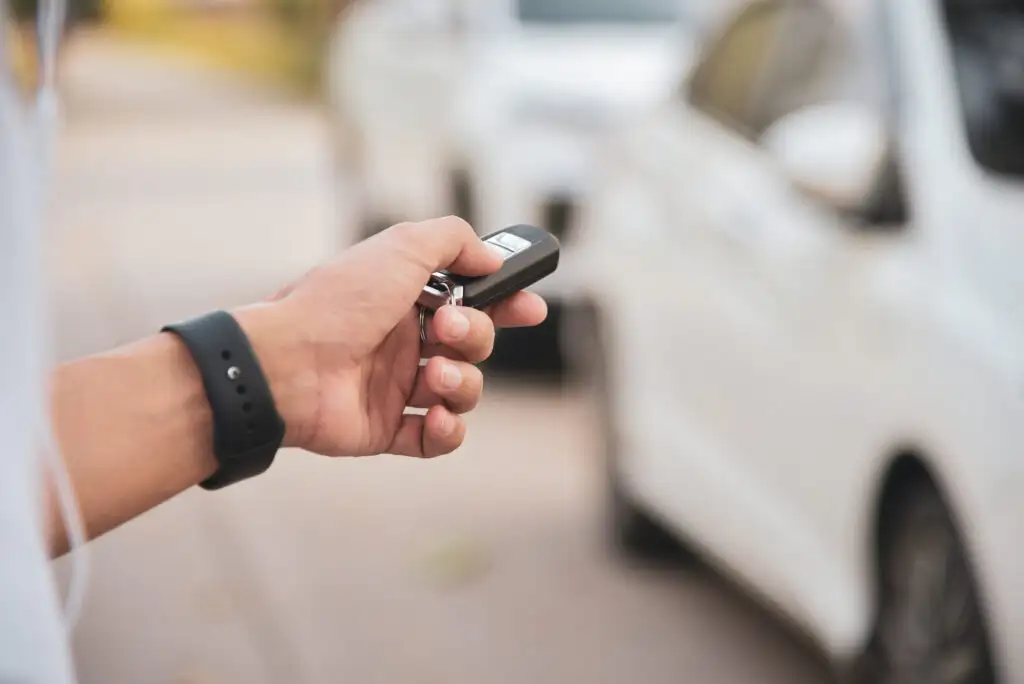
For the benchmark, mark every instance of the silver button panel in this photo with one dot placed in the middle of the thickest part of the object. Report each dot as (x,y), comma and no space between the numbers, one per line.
(510,244)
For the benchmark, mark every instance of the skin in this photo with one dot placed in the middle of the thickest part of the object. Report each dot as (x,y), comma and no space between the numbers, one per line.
(341,350)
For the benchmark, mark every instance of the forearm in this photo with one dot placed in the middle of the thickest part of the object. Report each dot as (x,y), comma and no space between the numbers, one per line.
(135,428)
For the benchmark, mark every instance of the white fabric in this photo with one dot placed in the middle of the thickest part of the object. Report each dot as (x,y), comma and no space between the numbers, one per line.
(33,638)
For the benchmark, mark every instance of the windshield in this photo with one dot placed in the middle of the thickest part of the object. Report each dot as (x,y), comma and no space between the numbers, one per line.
(598,11)
(988,45)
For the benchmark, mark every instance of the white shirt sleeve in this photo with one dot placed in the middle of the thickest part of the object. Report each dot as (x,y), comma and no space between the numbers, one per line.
(33,641)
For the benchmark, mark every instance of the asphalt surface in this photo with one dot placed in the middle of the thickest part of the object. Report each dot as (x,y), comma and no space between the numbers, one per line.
(181,191)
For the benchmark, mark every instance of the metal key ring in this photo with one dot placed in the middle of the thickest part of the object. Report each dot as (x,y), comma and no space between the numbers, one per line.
(448,296)
(423,325)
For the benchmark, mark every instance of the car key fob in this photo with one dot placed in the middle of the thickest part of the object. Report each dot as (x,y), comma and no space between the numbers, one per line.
(531,254)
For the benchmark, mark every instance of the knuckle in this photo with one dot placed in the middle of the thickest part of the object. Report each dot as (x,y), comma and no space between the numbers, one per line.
(405,230)
(457,233)
(402,226)
(458,226)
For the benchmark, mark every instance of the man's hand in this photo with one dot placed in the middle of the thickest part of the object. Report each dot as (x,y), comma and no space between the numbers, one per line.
(341,347)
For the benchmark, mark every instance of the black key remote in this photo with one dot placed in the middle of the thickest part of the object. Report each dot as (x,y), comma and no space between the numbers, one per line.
(531,254)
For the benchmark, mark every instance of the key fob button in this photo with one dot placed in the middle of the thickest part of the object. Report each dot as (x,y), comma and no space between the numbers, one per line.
(505,252)
(513,243)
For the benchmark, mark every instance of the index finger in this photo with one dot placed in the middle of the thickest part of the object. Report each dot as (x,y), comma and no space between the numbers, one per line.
(450,243)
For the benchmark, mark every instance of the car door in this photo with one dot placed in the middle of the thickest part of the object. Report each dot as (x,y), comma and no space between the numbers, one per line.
(744,251)
(796,268)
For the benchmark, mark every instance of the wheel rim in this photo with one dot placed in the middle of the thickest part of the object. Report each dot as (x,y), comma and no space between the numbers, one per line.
(931,632)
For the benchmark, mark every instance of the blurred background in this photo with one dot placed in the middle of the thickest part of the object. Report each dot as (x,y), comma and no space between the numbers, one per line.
(771,430)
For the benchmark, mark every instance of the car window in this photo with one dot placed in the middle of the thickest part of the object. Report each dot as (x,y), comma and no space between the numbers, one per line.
(988,51)
(765,63)
(593,11)
(778,56)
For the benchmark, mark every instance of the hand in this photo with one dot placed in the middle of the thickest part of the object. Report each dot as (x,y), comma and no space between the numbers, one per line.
(342,347)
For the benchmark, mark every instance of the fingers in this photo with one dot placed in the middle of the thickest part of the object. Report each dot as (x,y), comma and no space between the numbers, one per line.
(457,385)
(450,243)
(438,433)
(467,333)
(522,310)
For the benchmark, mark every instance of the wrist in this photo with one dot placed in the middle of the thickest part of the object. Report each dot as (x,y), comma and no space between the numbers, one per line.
(287,364)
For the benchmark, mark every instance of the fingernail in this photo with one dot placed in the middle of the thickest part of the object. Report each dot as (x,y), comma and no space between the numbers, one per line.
(451,376)
(445,424)
(497,250)
(458,325)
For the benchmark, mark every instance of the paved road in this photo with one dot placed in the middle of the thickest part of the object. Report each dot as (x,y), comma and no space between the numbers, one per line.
(182,191)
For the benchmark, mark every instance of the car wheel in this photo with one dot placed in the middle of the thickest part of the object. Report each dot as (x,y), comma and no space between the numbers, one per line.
(531,354)
(930,628)
(633,533)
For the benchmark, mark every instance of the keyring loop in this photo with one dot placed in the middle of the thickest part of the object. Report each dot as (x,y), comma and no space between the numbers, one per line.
(433,293)
(423,325)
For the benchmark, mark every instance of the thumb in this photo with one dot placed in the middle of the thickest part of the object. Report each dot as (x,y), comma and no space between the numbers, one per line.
(450,243)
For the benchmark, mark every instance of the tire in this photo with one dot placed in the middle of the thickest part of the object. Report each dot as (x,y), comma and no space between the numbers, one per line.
(532,355)
(930,627)
(581,351)
(632,533)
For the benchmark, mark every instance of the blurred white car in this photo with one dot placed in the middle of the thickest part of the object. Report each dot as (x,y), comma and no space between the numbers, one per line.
(393,72)
(428,97)
(492,109)
(809,279)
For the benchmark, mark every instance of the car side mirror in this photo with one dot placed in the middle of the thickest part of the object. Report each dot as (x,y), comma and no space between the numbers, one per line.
(833,152)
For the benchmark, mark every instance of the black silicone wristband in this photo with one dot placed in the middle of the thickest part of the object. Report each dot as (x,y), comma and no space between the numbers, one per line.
(247,429)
